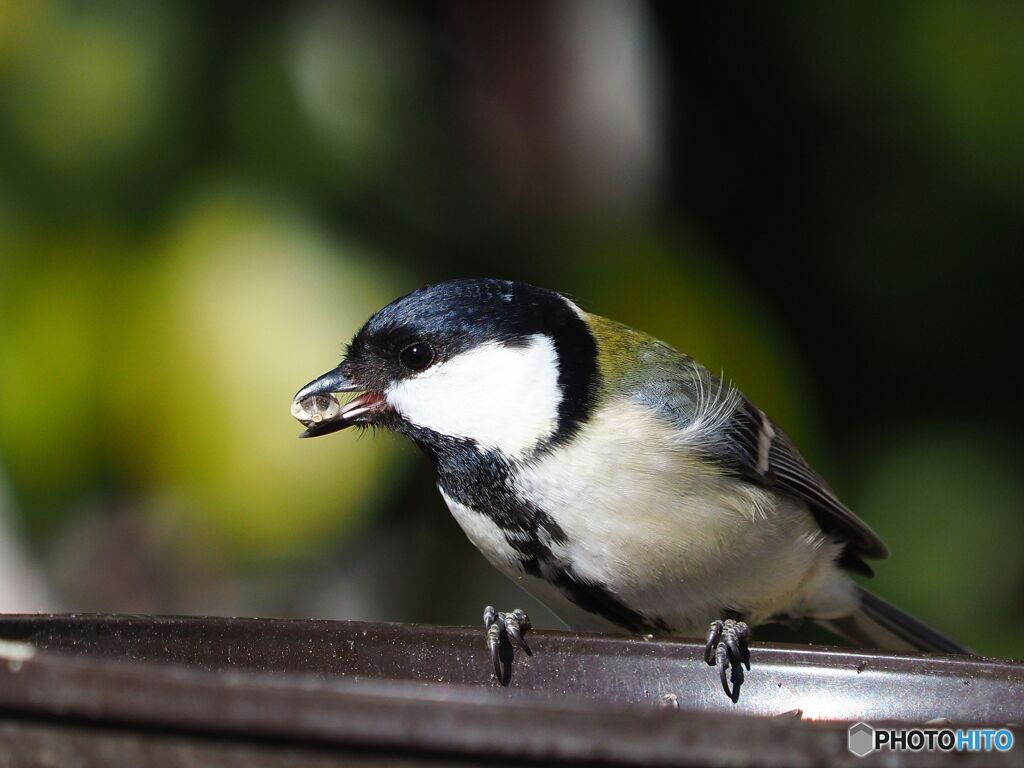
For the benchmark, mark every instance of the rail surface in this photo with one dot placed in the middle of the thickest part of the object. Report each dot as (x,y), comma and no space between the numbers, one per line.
(138,690)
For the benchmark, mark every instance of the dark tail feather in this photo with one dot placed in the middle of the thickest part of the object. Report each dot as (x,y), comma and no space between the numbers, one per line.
(878,624)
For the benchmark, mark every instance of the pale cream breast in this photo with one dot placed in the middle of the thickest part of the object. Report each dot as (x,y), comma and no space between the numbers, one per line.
(668,533)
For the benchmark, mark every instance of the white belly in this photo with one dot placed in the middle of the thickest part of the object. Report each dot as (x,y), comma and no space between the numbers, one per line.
(490,540)
(667,536)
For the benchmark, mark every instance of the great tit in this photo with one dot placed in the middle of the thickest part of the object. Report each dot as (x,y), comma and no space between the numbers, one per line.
(616,479)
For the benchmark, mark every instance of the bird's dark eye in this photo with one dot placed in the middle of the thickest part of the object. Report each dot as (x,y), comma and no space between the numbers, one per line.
(416,356)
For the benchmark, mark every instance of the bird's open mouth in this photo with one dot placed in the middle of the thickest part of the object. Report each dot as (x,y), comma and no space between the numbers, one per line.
(317,408)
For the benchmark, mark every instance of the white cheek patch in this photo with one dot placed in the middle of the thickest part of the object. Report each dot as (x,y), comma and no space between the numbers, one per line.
(502,397)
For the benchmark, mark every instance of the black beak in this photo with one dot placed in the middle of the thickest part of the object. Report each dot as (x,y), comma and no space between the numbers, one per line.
(316,407)
(332,382)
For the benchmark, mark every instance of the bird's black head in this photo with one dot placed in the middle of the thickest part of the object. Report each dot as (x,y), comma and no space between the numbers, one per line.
(505,364)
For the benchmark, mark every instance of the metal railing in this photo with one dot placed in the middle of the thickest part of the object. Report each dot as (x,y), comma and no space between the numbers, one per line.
(296,692)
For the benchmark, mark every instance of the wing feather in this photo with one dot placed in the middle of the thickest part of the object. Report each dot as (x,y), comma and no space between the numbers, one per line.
(761,452)
(742,440)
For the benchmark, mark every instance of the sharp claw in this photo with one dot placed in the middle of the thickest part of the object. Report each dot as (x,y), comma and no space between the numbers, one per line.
(714,633)
(516,636)
(733,644)
(494,645)
(725,683)
(525,647)
(489,616)
(727,664)
(496,661)
(737,679)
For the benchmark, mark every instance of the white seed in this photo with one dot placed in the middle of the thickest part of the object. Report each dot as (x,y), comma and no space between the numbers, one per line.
(316,408)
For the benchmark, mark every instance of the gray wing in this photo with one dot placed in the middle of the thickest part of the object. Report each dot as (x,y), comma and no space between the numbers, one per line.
(759,451)
(747,444)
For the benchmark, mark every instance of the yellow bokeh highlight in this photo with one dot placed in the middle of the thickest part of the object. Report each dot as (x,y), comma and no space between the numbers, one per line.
(52,339)
(245,303)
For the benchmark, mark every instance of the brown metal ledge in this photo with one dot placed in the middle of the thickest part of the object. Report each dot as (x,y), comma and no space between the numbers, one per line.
(122,690)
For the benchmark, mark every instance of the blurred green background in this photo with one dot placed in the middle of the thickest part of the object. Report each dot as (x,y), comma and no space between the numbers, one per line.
(201,202)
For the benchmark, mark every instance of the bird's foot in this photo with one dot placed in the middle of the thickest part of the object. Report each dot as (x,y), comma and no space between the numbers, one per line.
(505,633)
(727,649)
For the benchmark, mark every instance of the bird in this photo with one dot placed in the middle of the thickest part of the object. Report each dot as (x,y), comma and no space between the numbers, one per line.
(613,477)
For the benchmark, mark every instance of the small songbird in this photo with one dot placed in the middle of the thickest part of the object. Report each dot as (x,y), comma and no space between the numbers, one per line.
(614,478)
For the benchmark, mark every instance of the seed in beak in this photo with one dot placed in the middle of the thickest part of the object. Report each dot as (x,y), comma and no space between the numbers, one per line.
(314,409)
